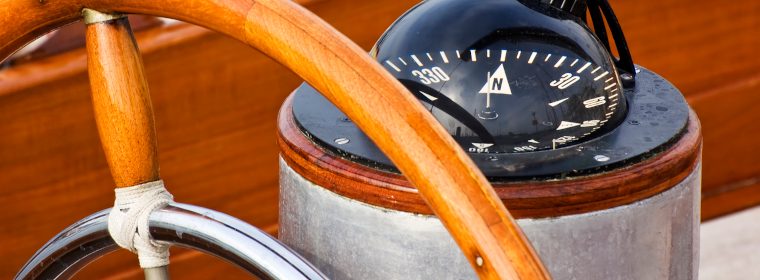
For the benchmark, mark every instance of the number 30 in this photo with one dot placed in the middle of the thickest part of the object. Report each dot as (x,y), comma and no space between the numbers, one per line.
(565,81)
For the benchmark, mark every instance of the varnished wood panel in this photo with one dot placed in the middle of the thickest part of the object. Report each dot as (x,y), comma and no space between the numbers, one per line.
(698,45)
(71,37)
(200,86)
(70,176)
(731,116)
(731,156)
(708,49)
(217,141)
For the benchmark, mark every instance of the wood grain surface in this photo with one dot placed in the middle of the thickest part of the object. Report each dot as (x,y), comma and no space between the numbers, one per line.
(731,179)
(400,126)
(215,137)
(707,50)
(217,134)
(72,36)
(121,102)
(459,194)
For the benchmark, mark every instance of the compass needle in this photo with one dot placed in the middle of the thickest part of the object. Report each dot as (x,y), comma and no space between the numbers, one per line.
(488,91)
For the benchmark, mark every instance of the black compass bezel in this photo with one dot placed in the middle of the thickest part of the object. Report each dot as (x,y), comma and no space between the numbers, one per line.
(657,117)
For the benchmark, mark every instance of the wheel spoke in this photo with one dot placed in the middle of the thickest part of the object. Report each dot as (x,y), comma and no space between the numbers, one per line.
(121,99)
(123,109)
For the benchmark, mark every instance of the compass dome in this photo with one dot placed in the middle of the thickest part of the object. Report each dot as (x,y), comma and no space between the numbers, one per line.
(505,76)
(523,86)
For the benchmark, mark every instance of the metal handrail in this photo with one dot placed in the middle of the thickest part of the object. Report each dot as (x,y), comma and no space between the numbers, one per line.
(184,225)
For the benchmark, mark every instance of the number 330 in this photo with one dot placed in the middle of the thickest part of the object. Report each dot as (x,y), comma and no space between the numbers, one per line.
(431,76)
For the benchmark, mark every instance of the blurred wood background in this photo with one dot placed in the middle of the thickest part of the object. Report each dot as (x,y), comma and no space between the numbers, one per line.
(216,101)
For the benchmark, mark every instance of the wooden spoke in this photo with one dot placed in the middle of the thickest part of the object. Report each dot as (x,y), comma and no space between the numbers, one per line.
(447,179)
(123,110)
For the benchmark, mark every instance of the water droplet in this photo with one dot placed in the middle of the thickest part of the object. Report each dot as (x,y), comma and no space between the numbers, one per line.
(342,141)
(601,158)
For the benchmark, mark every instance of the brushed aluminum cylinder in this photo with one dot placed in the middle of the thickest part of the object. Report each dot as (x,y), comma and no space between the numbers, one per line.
(654,238)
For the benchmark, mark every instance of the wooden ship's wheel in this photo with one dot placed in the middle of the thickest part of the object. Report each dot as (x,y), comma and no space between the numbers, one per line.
(399,164)
(376,102)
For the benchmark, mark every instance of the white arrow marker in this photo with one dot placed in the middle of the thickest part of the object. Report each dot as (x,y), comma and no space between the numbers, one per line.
(555,103)
(482,145)
(566,125)
(432,98)
(533,141)
(497,83)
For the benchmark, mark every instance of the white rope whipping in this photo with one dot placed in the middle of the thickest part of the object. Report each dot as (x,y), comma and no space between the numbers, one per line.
(128,222)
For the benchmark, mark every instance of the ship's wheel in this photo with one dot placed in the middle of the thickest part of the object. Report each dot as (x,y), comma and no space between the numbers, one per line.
(374,100)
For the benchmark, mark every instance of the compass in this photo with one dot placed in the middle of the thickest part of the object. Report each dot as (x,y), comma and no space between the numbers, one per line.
(510,76)
(581,145)
(529,100)
(526,87)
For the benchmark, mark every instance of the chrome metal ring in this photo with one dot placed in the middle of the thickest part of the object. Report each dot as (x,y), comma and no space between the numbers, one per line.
(184,225)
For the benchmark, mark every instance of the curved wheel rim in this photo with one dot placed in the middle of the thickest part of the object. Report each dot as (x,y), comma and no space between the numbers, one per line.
(184,225)
(444,175)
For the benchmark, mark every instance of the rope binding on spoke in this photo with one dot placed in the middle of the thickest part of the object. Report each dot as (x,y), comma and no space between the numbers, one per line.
(128,221)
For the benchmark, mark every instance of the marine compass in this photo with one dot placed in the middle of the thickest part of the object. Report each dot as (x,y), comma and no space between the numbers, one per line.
(528,88)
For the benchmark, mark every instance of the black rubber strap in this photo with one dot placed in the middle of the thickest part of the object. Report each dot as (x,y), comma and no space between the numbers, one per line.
(599,14)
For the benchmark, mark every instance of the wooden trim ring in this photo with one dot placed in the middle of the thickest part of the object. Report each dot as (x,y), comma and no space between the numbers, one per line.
(458,193)
(526,199)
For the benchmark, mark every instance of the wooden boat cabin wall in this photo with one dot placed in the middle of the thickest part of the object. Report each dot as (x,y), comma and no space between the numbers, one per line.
(216,102)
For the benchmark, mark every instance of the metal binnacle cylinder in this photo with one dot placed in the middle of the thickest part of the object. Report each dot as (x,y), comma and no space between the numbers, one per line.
(597,159)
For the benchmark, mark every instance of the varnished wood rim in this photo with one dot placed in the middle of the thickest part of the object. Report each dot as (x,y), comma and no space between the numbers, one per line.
(526,199)
(459,194)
